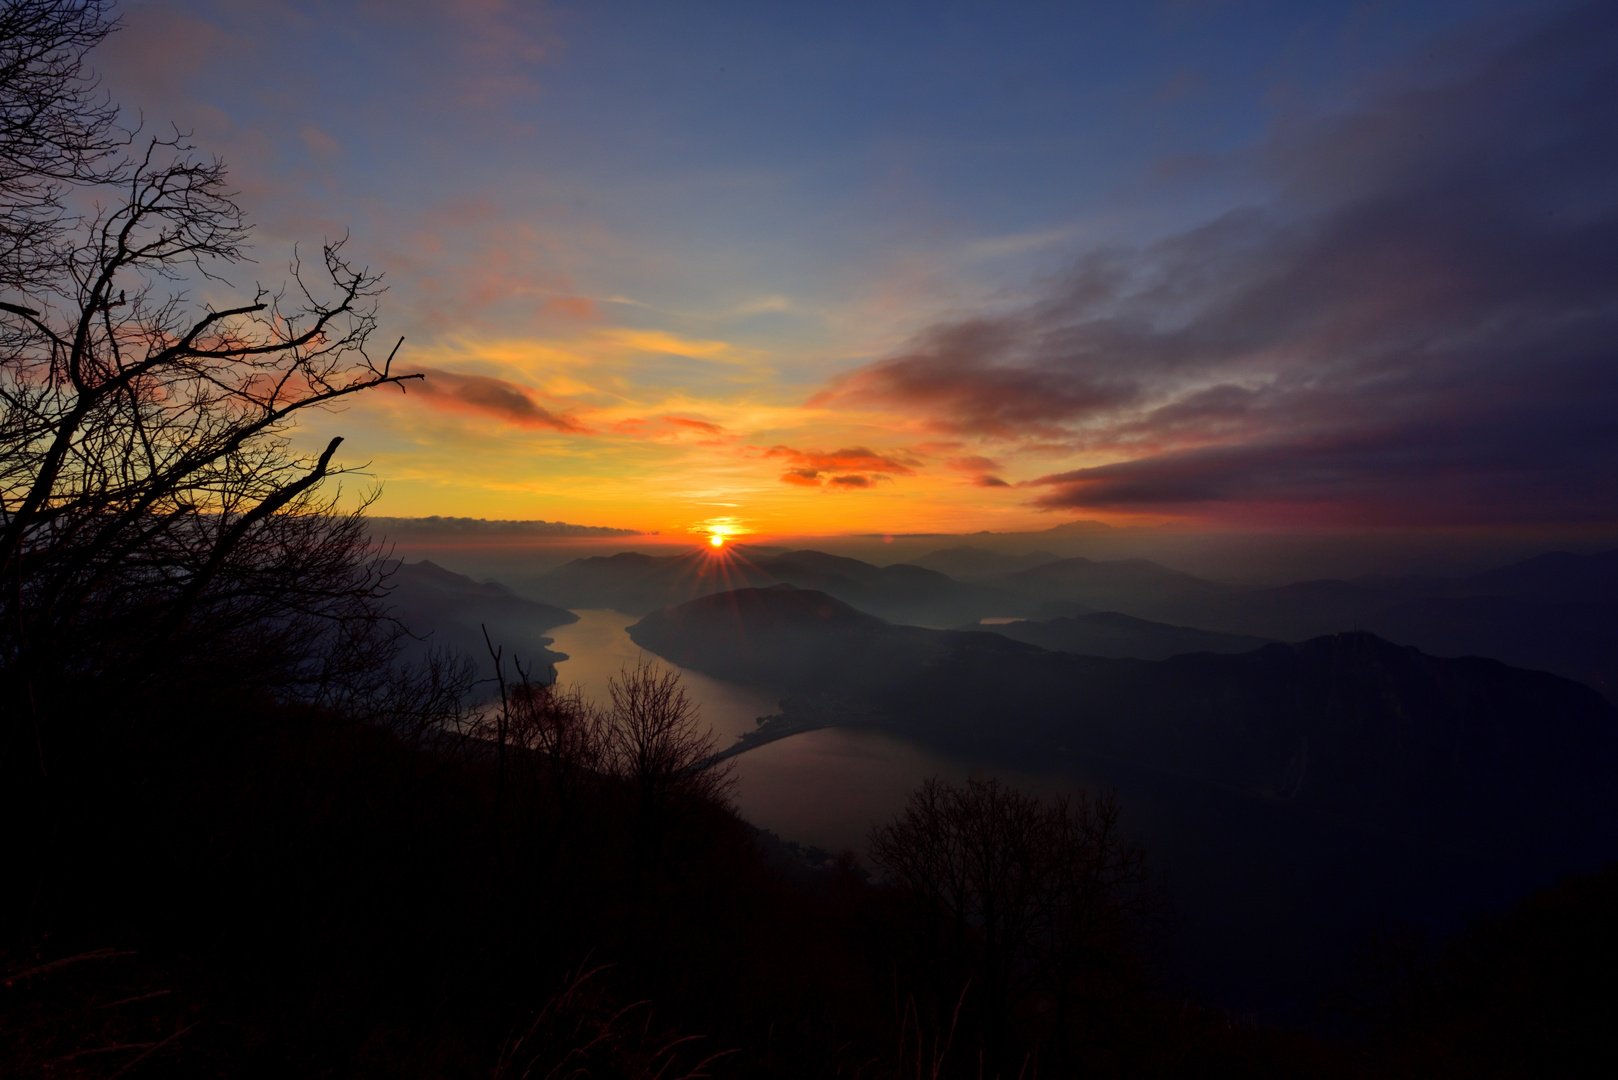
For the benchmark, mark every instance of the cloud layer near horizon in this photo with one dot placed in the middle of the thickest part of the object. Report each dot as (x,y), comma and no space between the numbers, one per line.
(1420,327)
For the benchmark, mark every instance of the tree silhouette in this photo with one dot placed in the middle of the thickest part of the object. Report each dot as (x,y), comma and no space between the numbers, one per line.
(57,132)
(154,521)
(655,746)
(1020,909)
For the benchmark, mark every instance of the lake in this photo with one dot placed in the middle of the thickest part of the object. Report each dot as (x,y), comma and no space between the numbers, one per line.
(824,788)
(1253,886)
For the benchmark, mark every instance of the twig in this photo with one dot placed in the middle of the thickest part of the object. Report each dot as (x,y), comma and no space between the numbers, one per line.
(108,1050)
(137,997)
(152,1051)
(107,953)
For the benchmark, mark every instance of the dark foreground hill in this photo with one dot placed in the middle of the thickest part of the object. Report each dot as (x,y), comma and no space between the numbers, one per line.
(1298,792)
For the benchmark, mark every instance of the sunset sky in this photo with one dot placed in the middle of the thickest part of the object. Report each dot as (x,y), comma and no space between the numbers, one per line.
(817,268)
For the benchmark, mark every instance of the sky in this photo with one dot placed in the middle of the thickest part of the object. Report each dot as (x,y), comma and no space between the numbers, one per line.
(902,267)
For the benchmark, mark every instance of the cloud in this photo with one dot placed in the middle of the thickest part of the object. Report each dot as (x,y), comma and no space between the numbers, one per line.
(859,467)
(1420,322)
(988,481)
(978,377)
(703,426)
(973,463)
(673,429)
(851,458)
(802,477)
(488,396)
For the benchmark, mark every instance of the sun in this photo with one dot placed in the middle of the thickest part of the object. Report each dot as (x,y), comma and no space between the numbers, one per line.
(719,532)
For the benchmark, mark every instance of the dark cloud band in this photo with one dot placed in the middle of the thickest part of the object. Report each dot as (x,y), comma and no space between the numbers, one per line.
(1421,323)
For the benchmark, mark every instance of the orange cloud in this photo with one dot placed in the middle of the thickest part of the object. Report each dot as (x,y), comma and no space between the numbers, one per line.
(857,466)
(673,429)
(695,425)
(488,396)
(801,477)
(852,459)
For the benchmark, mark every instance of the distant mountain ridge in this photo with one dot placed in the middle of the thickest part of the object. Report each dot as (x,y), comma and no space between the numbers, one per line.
(977,564)
(1108,633)
(1556,612)
(1133,586)
(637,584)
(1349,724)
(447,610)
(1293,796)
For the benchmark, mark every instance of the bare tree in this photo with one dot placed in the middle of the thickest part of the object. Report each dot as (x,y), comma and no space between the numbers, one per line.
(1094,897)
(654,743)
(552,741)
(154,519)
(1014,899)
(57,131)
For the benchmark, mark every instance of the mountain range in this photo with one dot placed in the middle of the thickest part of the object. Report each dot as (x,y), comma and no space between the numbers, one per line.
(1556,612)
(1347,724)
(636,584)
(1292,795)
(1108,633)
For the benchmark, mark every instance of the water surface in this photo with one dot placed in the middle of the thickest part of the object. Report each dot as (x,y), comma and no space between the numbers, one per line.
(824,788)
(598,649)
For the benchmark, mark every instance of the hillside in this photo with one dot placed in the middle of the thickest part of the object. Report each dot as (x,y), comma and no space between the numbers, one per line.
(968,563)
(443,609)
(1296,795)
(1134,586)
(1349,724)
(1108,633)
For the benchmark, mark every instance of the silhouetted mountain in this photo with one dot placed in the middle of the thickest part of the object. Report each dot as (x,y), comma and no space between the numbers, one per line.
(1558,576)
(1555,612)
(1133,586)
(1348,723)
(1060,609)
(902,592)
(638,584)
(448,610)
(1579,641)
(1293,612)
(1109,633)
(967,563)
(1296,794)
